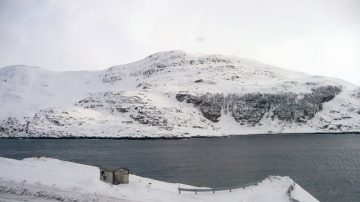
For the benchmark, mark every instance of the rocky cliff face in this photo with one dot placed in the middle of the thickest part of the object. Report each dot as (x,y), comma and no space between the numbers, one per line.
(250,108)
(174,94)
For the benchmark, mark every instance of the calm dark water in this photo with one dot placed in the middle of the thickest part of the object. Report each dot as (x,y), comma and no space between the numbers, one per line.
(328,166)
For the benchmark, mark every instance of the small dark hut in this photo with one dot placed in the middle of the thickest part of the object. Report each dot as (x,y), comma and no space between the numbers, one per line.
(115,176)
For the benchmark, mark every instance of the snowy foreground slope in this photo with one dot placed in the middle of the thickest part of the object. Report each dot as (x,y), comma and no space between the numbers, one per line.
(174,94)
(46,179)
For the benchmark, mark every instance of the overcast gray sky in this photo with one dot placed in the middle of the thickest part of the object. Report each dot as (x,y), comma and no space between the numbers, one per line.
(314,36)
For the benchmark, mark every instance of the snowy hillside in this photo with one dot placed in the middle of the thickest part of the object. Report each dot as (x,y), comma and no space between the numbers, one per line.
(174,94)
(56,180)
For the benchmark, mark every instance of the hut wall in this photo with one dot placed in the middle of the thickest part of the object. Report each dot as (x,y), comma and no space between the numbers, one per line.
(106,176)
(121,177)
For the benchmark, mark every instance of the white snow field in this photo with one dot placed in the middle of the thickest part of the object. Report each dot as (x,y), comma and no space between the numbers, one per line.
(47,179)
(147,98)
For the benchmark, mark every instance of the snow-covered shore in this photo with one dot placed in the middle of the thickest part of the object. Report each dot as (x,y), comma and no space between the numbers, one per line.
(46,179)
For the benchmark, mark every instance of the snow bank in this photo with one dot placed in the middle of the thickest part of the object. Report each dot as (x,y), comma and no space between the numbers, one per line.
(46,179)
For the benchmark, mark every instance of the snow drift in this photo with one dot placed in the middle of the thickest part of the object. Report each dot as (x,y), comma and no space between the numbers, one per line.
(46,179)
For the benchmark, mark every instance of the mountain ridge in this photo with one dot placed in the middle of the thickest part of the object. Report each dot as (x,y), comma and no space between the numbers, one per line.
(174,94)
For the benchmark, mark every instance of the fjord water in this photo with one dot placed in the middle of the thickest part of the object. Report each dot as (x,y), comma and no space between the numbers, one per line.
(327,166)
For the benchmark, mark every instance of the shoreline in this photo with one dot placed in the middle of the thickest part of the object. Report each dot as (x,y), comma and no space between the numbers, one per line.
(67,185)
(189,137)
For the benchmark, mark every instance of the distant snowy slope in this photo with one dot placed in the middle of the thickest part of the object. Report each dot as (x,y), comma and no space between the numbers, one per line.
(174,94)
(32,87)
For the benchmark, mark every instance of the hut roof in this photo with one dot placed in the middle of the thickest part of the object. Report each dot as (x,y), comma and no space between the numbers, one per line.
(113,169)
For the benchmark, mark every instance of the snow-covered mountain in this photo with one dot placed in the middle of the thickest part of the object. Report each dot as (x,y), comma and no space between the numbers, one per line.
(172,94)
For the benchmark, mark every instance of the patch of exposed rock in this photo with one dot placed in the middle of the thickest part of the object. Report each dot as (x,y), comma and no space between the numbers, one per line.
(250,108)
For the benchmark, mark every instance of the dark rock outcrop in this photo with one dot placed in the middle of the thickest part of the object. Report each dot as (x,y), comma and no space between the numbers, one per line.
(13,126)
(209,104)
(250,108)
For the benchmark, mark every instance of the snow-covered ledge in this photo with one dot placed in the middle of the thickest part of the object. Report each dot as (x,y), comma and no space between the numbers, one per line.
(46,179)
